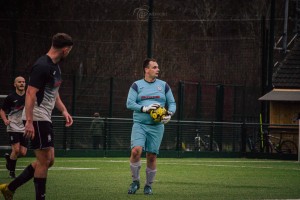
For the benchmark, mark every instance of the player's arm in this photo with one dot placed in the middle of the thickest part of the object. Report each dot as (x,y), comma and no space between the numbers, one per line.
(62,108)
(171,104)
(4,118)
(5,109)
(170,100)
(131,102)
(30,100)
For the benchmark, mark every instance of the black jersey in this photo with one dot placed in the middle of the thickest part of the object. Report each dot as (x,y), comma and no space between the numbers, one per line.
(45,76)
(13,106)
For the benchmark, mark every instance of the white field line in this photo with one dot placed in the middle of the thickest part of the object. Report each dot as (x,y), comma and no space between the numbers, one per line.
(184,161)
(72,168)
(20,168)
(161,161)
(188,163)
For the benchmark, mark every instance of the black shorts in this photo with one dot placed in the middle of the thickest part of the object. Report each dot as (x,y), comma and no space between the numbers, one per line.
(17,137)
(44,137)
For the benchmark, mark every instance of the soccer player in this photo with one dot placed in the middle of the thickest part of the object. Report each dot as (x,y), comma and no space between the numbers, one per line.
(41,97)
(145,95)
(13,106)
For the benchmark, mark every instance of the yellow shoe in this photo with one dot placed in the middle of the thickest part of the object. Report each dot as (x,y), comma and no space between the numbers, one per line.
(8,195)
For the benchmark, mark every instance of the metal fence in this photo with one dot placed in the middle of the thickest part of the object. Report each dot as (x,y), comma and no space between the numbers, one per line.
(180,136)
(84,95)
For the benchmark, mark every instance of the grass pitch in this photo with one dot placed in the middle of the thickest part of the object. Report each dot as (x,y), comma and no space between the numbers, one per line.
(177,179)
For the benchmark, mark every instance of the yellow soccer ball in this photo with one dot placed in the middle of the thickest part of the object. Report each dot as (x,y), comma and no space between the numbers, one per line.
(158,114)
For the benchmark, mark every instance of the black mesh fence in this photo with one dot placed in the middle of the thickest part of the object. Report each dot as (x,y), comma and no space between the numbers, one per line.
(181,136)
(85,95)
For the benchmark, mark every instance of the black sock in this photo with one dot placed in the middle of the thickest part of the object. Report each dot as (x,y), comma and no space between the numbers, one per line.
(25,176)
(8,161)
(12,165)
(40,188)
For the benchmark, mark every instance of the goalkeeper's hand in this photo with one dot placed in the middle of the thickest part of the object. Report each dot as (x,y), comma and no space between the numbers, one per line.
(147,109)
(167,118)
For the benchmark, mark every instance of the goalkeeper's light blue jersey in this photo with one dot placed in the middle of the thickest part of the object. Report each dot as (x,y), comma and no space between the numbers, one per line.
(143,93)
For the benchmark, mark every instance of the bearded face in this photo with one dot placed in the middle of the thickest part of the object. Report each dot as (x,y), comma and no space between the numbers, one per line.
(20,84)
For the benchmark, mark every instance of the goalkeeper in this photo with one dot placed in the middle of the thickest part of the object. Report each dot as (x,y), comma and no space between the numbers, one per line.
(145,95)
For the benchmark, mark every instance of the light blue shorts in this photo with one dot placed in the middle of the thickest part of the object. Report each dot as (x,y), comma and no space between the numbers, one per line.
(147,136)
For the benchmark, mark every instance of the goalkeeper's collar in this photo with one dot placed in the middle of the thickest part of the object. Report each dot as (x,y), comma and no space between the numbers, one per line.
(151,81)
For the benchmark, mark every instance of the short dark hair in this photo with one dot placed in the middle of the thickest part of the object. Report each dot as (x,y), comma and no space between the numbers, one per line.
(147,61)
(61,40)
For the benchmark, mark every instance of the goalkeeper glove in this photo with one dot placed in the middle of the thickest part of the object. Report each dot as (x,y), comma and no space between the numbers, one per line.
(167,118)
(147,109)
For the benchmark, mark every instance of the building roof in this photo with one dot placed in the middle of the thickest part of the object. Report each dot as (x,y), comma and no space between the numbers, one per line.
(282,95)
(287,75)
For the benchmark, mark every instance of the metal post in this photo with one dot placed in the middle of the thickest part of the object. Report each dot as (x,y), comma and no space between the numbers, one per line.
(198,102)
(105,137)
(286,15)
(180,115)
(271,46)
(217,133)
(14,41)
(299,140)
(219,103)
(212,135)
(243,137)
(73,112)
(74,95)
(150,26)
(264,66)
(111,96)
(108,124)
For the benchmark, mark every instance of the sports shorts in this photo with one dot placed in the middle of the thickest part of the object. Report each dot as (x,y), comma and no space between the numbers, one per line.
(147,136)
(17,137)
(44,137)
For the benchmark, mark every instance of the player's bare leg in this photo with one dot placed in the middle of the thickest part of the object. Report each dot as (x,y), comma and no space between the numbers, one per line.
(135,166)
(150,172)
(45,159)
(11,160)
